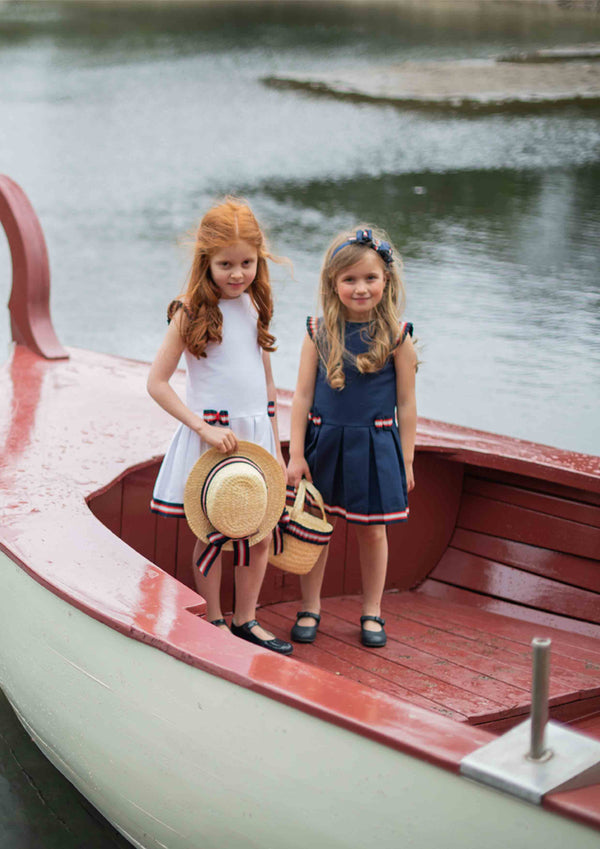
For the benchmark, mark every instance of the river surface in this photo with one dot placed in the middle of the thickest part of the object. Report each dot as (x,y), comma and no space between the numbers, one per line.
(122,123)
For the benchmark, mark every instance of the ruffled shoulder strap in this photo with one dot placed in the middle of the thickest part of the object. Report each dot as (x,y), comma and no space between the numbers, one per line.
(174,306)
(406,329)
(312,326)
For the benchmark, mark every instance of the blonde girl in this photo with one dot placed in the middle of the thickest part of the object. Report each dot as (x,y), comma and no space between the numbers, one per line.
(221,326)
(354,414)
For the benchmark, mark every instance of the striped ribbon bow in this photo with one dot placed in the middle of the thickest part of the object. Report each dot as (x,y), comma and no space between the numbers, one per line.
(241,552)
(216,417)
(278,531)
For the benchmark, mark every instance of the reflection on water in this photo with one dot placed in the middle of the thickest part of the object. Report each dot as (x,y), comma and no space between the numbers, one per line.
(123,123)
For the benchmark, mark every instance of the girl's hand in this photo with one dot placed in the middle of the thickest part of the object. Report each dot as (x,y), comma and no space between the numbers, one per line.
(221,438)
(296,470)
(410,477)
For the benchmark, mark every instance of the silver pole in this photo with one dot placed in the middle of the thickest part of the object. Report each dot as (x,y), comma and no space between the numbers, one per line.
(539,697)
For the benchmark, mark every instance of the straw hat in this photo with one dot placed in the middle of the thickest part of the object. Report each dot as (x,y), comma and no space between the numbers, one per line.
(241,495)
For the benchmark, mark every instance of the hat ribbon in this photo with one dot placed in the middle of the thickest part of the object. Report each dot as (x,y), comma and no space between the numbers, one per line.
(278,531)
(241,552)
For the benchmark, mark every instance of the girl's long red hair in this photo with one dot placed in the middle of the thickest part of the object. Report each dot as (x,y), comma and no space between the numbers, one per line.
(230,221)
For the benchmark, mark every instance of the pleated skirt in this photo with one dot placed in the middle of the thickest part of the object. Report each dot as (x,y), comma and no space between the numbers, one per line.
(185,449)
(359,471)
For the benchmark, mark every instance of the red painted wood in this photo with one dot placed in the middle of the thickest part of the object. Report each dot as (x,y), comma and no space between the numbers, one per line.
(504,455)
(185,549)
(417,545)
(569,713)
(516,523)
(334,657)
(107,507)
(30,296)
(435,589)
(534,484)
(551,505)
(138,524)
(499,675)
(342,638)
(505,582)
(498,636)
(577,571)
(165,544)
(590,724)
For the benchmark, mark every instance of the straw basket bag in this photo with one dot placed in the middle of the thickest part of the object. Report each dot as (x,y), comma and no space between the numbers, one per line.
(299,536)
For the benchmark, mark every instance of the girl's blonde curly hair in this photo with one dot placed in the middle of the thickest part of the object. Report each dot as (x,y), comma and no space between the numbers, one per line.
(227,222)
(384,323)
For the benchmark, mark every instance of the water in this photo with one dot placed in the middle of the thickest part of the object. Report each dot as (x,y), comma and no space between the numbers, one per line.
(123,123)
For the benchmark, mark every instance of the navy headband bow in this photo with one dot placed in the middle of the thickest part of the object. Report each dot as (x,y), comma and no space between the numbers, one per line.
(365,237)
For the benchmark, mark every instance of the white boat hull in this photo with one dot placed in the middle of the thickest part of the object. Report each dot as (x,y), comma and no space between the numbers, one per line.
(176,757)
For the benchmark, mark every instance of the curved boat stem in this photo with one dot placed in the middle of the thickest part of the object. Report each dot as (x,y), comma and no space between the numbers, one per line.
(29,302)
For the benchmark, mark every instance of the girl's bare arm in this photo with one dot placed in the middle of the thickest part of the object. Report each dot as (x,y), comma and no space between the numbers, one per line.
(406,367)
(272,397)
(301,404)
(159,388)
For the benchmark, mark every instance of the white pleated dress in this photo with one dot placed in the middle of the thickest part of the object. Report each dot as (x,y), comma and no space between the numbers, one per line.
(228,385)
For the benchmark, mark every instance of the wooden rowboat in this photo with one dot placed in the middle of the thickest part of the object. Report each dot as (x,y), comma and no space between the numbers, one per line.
(183,736)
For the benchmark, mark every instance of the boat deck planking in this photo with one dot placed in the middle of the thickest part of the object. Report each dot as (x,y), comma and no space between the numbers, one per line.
(475,669)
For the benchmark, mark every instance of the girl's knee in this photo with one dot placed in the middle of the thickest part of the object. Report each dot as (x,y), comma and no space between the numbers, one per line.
(371,533)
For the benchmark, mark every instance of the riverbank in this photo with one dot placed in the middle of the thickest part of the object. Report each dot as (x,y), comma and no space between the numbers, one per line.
(545,78)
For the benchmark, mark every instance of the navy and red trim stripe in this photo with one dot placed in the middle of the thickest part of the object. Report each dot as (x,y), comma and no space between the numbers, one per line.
(167,508)
(380,424)
(271,409)
(351,516)
(316,420)
(216,417)
(312,326)
(216,540)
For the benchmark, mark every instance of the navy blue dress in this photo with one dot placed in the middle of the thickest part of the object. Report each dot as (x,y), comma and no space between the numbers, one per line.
(352,444)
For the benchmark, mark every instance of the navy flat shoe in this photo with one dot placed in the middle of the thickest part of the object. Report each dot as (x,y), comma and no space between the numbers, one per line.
(372,639)
(244,632)
(305,633)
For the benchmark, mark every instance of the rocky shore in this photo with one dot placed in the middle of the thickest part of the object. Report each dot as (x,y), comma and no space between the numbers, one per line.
(544,78)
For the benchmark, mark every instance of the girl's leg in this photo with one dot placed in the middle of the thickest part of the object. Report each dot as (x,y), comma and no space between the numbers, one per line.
(209,587)
(311,584)
(373,551)
(248,581)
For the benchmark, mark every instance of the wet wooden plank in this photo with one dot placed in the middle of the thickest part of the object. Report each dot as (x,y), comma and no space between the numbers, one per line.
(552,505)
(326,655)
(534,484)
(542,620)
(505,582)
(517,523)
(138,524)
(400,665)
(493,671)
(567,568)
(497,635)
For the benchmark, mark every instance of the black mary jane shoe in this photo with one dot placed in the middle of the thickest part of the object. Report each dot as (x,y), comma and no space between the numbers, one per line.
(244,632)
(305,633)
(372,639)
(217,622)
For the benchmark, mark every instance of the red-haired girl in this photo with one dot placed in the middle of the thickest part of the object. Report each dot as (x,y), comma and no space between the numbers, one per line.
(221,325)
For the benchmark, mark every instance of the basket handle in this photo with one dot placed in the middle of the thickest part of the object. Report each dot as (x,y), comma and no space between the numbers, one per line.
(303,487)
